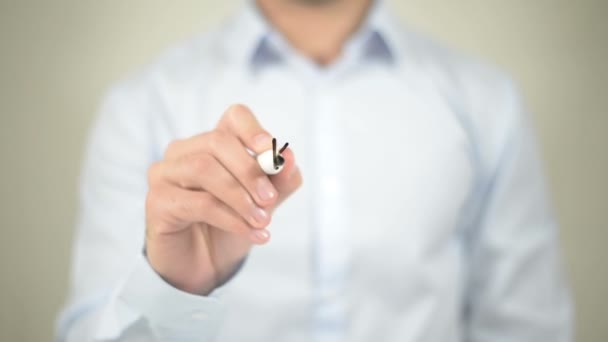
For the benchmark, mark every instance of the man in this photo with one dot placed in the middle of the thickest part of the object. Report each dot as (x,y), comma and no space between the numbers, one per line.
(422,216)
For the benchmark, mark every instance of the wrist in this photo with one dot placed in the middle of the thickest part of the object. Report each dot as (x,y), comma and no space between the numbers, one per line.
(200,283)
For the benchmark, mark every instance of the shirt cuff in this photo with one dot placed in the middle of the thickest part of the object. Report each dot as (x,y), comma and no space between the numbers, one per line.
(170,313)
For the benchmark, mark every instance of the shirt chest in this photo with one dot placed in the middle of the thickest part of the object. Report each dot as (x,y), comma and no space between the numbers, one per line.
(387,170)
(394,156)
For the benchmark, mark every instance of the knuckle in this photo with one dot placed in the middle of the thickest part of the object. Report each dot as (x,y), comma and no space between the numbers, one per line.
(202,201)
(236,111)
(201,164)
(211,203)
(154,202)
(216,139)
(172,148)
(173,208)
(154,173)
(186,207)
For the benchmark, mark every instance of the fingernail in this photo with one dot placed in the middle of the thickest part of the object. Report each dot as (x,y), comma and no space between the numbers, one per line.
(262,142)
(259,215)
(265,189)
(261,235)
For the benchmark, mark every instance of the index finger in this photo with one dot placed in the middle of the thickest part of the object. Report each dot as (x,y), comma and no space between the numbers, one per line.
(239,121)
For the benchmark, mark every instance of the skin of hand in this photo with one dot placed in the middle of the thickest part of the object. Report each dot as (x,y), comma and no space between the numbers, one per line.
(209,202)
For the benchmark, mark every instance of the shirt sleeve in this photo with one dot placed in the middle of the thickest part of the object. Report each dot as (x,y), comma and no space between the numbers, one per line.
(115,295)
(516,290)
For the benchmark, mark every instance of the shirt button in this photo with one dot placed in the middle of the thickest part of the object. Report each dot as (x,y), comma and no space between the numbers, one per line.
(199,315)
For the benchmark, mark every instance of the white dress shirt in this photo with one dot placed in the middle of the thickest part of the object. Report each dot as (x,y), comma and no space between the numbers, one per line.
(423,214)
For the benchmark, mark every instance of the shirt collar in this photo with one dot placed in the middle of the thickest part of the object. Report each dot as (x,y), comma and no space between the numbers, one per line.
(251,41)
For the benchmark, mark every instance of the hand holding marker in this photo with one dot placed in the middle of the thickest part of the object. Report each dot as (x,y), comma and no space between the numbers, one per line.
(210,199)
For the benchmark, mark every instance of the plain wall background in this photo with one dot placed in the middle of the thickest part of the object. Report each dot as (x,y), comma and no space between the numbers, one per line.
(59,57)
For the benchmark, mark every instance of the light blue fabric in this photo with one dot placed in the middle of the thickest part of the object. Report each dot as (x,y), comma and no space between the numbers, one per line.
(423,215)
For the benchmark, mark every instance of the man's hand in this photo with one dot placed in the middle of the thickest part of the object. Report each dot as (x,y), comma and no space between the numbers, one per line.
(209,201)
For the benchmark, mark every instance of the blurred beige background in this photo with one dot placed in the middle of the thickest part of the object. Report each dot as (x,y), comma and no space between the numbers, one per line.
(58,57)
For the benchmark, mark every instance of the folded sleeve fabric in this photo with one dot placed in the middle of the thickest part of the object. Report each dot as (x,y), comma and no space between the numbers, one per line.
(170,314)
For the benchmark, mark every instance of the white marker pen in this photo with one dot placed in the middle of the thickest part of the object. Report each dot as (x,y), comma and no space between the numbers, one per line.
(271,161)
